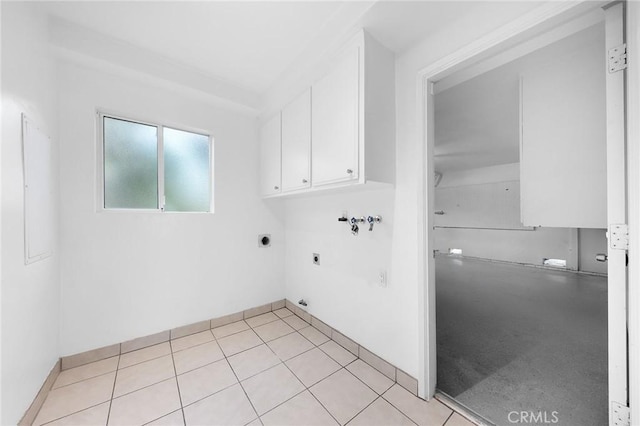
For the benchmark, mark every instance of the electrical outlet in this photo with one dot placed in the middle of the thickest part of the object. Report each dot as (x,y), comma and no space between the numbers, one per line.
(382,279)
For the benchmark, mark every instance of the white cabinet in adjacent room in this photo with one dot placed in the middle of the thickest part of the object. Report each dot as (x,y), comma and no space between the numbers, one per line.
(270,160)
(296,143)
(563,167)
(353,117)
(336,119)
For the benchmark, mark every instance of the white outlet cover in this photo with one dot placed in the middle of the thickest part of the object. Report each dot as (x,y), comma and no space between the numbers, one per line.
(382,279)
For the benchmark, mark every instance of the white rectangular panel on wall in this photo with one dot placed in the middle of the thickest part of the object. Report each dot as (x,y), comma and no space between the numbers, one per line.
(563,148)
(485,206)
(39,215)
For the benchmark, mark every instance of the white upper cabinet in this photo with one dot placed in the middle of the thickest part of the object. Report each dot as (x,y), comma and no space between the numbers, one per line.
(336,120)
(296,143)
(341,132)
(270,160)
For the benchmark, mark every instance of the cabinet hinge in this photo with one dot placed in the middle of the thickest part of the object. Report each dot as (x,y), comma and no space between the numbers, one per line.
(619,236)
(620,414)
(617,58)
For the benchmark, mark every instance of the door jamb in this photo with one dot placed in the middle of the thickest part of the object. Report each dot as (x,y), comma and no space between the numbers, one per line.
(633,203)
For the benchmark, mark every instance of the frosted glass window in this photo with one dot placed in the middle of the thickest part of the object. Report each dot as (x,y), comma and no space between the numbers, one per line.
(130,165)
(186,171)
(143,171)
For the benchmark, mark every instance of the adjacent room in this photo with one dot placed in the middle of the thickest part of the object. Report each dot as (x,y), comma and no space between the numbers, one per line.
(521,296)
(226,213)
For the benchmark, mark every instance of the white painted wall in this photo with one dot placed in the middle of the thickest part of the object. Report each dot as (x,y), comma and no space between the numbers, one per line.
(592,242)
(577,246)
(491,174)
(30,294)
(385,320)
(520,246)
(126,275)
(528,247)
(343,290)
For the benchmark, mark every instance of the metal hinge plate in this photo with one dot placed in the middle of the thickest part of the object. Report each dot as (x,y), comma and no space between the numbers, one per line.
(620,414)
(617,58)
(619,237)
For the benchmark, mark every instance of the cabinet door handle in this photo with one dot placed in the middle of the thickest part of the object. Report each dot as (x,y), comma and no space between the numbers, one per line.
(349,171)
(276,187)
(304,181)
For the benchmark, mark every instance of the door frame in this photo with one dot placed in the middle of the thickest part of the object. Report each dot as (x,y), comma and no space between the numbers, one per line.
(633,203)
(539,20)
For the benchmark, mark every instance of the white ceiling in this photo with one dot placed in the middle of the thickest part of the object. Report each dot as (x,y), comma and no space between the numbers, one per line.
(246,43)
(246,46)
(477,122)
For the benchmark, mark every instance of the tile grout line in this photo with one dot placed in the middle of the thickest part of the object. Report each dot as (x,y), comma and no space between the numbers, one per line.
(358,413)
(136,390)
(210,395)
(241,387)
(148,385)
(448,418)
(230,334)
(296,356)
(281,361)
(238,379)
(380,397)
(71,414)
(113,390)
(142,362)
(85,379)
(175,372)
(294,375)
(284,402)
(174,411)
(364,383)
(320,402)
(188,347)
(303,385)
(406,415)
(264,323)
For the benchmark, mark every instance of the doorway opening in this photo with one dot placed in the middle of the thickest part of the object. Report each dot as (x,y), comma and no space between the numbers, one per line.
(520,151)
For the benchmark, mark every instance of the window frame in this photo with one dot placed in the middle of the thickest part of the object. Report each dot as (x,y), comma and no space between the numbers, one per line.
(100,183)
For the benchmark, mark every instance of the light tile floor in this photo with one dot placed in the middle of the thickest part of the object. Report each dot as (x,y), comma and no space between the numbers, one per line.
(273,369)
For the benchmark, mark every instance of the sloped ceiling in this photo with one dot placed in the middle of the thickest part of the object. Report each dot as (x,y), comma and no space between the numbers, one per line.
(477,122)
(236,50)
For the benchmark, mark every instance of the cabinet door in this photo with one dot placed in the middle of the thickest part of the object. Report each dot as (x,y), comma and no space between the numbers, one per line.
(270,157)
(335,122)
(296,143)
(563,168)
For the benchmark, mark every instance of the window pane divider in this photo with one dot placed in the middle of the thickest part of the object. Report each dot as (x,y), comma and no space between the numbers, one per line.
(161,197)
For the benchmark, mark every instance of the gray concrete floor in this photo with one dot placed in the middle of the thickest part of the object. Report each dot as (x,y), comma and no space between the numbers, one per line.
(515,338)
